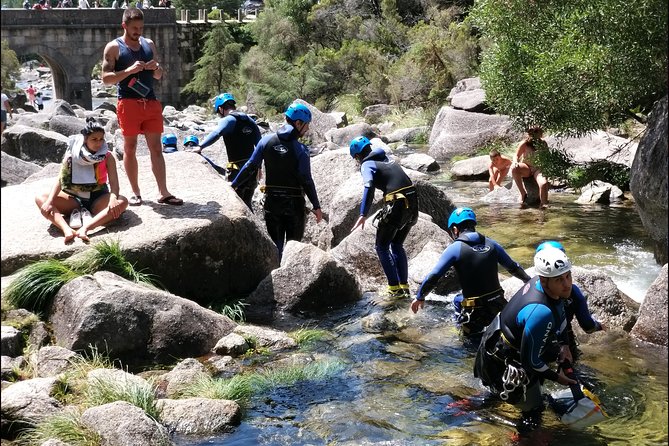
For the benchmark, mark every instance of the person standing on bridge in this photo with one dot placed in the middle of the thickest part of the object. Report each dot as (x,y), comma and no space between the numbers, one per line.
(129,63)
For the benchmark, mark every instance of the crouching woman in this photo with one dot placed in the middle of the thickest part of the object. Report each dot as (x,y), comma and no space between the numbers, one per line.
(87,191)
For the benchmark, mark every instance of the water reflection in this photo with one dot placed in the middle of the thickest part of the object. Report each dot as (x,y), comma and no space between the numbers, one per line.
(413,384)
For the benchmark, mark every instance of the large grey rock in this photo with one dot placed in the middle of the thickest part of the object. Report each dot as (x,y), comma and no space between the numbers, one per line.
(320,123)
(648,180)
(66,125)
(475,168)
(199,416)
(343,136)
(425,241)
(28,402)
(274,340)
(467,84)
(457,132)
(470,100)
(135,323)
(15,170)
(12,341)
(123,424)
(408,135)
(373,113)
(420,162)
(9,367)
(231,344)
(34,145)
(600,192)
(51,170)
(652,323)
(210,247)
(52,360)
(35,120)
(596,146)
(309,280)
(186,372)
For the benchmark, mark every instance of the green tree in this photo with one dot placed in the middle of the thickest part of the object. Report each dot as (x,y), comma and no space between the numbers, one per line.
(573,66)
(440,53)
(10,67)
(218,68)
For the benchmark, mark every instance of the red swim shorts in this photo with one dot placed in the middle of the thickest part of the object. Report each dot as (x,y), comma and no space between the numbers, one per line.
(136,116)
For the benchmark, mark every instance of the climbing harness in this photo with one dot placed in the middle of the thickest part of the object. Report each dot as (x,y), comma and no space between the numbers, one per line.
(514,376)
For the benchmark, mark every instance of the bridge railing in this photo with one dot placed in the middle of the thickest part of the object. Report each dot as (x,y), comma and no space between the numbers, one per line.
(205,16)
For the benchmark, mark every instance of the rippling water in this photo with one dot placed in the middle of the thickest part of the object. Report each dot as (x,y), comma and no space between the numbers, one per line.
(406,386)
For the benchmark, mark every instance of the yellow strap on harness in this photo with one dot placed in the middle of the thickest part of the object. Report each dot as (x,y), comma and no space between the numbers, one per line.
(469,302)
(232,166)
(396,195)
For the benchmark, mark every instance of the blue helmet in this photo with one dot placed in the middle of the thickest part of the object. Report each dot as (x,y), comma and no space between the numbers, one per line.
(358,144)
(550,243)
(222,99)
(300,112)
(191,139)
(461,214)
(169,139)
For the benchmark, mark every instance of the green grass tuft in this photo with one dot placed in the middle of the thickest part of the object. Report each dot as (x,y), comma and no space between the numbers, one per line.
(35,285)
(66,427)
(238,388)
(102,391)
(108,256)
(235,311)
(307,336)
(241,388)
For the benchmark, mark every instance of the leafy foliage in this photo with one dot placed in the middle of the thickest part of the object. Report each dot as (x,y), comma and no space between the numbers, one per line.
(217,68)
(572,67)
(9,66)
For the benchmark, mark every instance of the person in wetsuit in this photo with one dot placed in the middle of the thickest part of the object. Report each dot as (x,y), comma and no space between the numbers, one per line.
(287,177)
(575,305)
(240,134)
(528,334)
(398,216)
(475,258)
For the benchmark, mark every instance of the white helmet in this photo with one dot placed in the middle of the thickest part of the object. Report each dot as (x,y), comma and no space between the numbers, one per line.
(551,262)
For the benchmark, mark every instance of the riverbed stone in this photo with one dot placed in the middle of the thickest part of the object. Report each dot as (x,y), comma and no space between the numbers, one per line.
(52,360)
(457,132)
(34,145)
(652,323)
(135,323)
(28,402)
(15,170)
(475,168)
(12,341)
(648,180)
(123,424)
(309,280)
(199,416)
(420,162)
(343,136)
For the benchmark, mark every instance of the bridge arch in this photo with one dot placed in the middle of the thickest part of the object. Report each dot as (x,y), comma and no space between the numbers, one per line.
(71,42)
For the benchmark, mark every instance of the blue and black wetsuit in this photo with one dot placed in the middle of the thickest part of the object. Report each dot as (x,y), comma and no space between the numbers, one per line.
(475,259)
(397,217)
(527,335)
(577,305)
(287,179)
(240,134)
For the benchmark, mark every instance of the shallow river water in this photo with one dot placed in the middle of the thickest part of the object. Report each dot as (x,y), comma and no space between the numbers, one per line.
(398,387)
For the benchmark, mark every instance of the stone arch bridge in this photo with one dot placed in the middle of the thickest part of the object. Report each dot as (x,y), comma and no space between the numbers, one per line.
(71,41)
